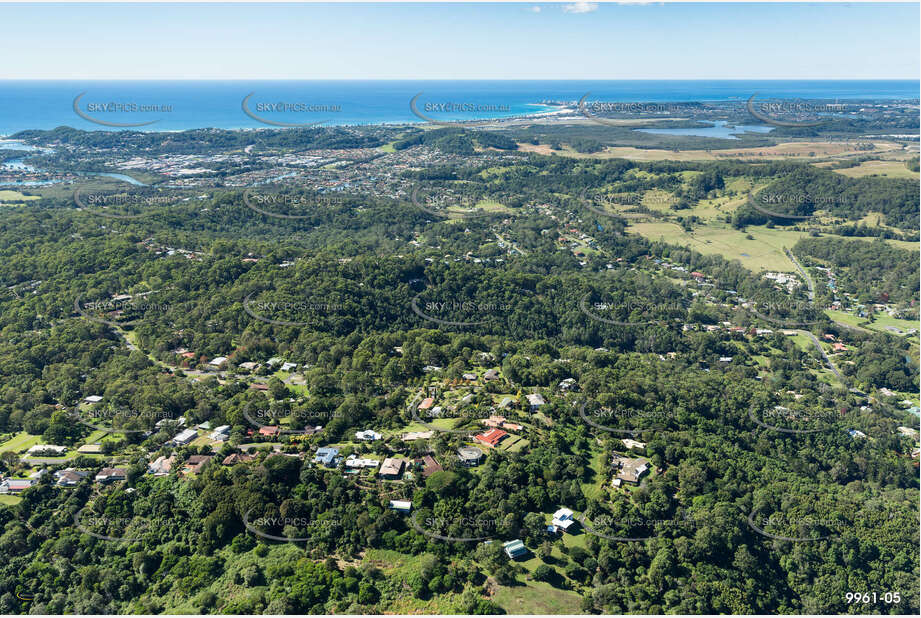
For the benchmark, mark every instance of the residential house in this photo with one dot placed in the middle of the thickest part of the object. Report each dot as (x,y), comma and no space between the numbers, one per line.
(217,362)
(628,470)
(856,433)
(93,399)
(288,367)
(470,377)
(491,438)
(269,431)
(535,401)
(185,437)
(515,549)
(195,463)
(15,486)
(237,458)
(567,384)
(629,443)
(429,466)
(427,403)
(490,375)
(367,435)
(220,434)
(110,475)
(401,506)
(162,465)
(328,456)
(180,422)
(357,463)
(563,519)
(469,456)
(47,450)
(391,469)
(90,449)
(69,477)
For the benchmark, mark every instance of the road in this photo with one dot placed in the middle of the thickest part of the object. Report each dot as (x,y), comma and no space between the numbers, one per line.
(828,362)
(802,271)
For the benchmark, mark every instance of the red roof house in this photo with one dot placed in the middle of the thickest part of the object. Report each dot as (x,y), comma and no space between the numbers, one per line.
(491,438)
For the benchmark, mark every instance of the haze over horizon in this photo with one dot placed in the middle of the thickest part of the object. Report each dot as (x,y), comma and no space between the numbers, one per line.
(461,41)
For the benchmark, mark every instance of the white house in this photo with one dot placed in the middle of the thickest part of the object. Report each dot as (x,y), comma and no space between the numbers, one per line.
(535,401)
(185,437)
(367,435)
(220,434)
(402,506)
(562,520)
(49,450)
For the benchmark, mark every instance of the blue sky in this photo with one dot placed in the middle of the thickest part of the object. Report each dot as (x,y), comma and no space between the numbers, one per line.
(460,41)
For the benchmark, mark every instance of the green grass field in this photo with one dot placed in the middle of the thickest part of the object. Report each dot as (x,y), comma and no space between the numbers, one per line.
(20,443)
(764,251)
(879,323)
(10,500)
(889,169)
(8,196)
(533,597)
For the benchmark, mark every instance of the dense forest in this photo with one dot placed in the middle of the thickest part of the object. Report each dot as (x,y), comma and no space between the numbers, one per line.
(378,301)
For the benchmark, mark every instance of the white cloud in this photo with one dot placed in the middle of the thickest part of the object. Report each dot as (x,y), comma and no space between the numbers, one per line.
(535,9)
(580,7)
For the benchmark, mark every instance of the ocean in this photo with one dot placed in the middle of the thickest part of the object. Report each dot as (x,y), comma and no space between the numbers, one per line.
(181,105)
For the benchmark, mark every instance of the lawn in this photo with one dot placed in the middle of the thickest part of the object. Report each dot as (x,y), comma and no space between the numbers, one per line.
(879,323)
(9,500)
(764,251)
(889,169)
(21,442)
(595,487)
(535,597)
(15,197)
(513,446)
